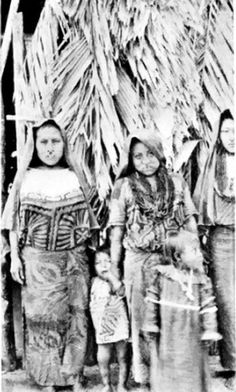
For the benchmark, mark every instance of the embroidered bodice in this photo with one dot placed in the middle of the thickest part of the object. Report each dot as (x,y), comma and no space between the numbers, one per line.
(53,211)
(144,232)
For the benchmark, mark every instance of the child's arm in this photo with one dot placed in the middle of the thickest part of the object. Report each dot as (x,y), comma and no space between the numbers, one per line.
(116,285)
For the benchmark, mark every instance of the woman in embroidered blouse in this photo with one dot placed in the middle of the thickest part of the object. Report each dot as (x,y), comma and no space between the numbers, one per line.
(215,198)
(148,205)
(50,224)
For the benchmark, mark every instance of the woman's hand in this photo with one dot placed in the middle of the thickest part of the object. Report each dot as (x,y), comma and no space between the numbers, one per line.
(113,280)
(17,269)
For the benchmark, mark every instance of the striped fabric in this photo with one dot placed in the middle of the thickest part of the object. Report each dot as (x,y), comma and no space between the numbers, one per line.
(53,211)
(54,226)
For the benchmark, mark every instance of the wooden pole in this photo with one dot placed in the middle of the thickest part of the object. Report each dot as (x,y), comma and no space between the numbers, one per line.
(18,58)
(7,34)
(3,155)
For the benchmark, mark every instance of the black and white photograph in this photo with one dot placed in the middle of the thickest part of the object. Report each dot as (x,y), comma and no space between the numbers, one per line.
(117,196)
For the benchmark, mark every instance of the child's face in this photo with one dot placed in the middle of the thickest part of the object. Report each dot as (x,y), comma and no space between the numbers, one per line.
(102,264)
(191,256)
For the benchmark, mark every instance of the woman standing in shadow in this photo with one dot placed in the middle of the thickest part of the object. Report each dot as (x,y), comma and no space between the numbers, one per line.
(215,198)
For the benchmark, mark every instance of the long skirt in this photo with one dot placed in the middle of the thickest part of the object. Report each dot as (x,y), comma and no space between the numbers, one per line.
(55,300)
(134,285)
(182,357)
(222,251)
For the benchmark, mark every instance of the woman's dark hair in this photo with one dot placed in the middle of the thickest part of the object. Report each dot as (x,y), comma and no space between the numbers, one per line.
(220,169)
(130,168)
(35,162)
(226,114)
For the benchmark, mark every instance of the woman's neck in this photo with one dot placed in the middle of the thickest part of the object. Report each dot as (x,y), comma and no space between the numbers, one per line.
(45,167)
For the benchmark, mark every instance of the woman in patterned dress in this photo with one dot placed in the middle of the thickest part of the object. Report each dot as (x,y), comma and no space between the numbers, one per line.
(215,198)
(51,224)
(148,205)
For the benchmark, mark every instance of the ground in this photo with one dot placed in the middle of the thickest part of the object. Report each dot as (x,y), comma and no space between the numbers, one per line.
(16,381)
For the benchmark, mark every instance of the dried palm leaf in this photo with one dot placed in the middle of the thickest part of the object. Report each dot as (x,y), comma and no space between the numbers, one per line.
(105,68)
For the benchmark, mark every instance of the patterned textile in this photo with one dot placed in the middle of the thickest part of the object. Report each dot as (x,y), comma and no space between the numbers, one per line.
(143,231)
(54,221)
(143,241)
(154,205)
(222,251)
(54,228)
(108,313)
(55,300)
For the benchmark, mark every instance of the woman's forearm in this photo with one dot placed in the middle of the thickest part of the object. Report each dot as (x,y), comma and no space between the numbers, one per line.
(17,272)
(14,243)
(116,238)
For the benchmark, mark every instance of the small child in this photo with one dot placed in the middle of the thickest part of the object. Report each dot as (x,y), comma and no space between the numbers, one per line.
(180,314)
(109,316)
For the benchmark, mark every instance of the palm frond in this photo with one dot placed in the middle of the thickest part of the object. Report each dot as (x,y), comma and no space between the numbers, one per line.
(104,68)
(215,57)
(184,154)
